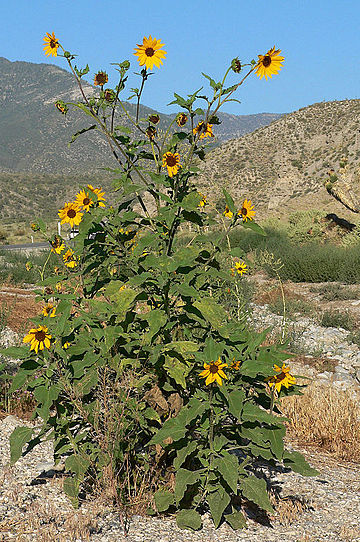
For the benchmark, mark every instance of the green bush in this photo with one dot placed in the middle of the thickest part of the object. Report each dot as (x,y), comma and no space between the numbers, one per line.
(137,369)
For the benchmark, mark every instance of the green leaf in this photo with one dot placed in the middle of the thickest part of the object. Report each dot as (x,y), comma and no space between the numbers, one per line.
(80,132)
(156,319)
(173,428)
(183,453)
(229,202)
(15,352)
(71,488)
(228,466)
(297,463)
(236,403)
(254,227)
(182,347)
(77,465)
(236,520)
(19,380)
(188,519)
(253,413)
(218,501)
(212,311)
(176,370)
(276,440)
(184,478)
(254,489)
(163,500)
(18,438)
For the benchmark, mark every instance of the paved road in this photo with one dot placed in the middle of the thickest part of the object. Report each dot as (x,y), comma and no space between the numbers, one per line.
(25,246)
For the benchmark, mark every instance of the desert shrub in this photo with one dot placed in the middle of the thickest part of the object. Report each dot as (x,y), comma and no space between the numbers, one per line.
(137,369)
(337,319)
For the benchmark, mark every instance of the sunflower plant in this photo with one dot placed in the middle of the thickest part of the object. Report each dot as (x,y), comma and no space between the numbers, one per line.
(137,368)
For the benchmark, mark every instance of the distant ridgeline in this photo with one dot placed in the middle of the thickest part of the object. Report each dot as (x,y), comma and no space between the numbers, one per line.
(34,136)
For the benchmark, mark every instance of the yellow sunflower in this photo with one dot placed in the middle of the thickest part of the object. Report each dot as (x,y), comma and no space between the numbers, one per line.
(246,211)
(269,64)
(172,163)
(71,213)
(203,201)
(240,268)
(181,119)
(38,338)
(149,53)
(70,259)
(228,213)
(51,44)
(205,130)
(99,194)
(84,200)
(49,310)
(213,371)
(57,245)
(101,78)
(283,378)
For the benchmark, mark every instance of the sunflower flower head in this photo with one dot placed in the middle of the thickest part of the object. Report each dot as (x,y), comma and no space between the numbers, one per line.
(203,129)
(150,52)
(85,199)
(269,63)
(49,310)
(240,268)
(109,95)
(203,201)
(28,266)
(51,44)
(61,106)
(154,118)
(70,259)
(57,245)
(213,371)
(151,132)
(282,378)
(246,212)
(228,213)
(172,163)
(236,65)
(70,214)
(99,194)
(101,78)
(38,338)
(181,119)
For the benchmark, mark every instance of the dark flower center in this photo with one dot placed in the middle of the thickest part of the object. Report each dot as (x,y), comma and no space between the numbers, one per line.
(213,369)
(266,61)
(86,201)
(71,213)
(244,211)
(171,160)
(149,51)
(40,336)
(53,44)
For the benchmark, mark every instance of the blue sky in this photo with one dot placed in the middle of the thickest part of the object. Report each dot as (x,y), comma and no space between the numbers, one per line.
(319,39)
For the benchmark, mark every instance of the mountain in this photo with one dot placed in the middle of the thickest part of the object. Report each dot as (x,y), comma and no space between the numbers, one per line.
(34,136)
(281,167)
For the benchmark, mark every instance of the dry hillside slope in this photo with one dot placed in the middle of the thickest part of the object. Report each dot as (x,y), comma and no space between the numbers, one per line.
(281,166)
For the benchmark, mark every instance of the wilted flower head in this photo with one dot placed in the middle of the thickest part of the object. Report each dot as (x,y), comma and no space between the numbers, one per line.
(100,78)
(154,118)
(236,65)
(181,119)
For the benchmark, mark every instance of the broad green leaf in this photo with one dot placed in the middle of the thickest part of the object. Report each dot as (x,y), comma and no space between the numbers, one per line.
(19,380)
(184,478)
(236,403)
(254,489)
(77,465)
(218,501)
(254,227)
(156,319)
(219,442)
(236,520)
(229,202)
(276,440)
(188,519)
(182,347)
(71,489)
(211,311)
(18,438)
(163,500)
(193,409)
(253,413)
(176,370)
(173,428)
(183,453)
(16,352)
(297,463)
(228,466)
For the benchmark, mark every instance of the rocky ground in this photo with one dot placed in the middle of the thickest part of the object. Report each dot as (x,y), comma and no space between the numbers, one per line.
(325,507)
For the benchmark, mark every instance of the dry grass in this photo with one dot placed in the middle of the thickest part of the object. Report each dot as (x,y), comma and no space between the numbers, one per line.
(288,509)
(326,418)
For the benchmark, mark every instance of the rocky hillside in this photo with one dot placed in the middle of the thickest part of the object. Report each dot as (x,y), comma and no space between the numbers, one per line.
(34,136)
(281,166)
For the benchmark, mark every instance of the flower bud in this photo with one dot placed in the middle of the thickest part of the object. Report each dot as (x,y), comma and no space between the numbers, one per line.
(181,119)
(61,106)
(154,118)
(109,95)
(34,227)
(236,65)
(150,132)
(28,266)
